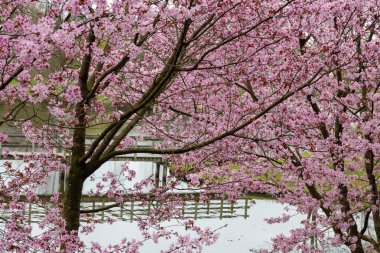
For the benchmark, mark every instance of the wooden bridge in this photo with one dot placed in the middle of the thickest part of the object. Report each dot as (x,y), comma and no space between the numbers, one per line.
(19,146)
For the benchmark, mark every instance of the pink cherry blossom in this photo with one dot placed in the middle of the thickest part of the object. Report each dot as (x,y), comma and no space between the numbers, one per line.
(275,97)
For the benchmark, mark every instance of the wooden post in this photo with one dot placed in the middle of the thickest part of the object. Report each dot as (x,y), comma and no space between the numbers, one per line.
(93,208)
(103,204)
(149,207)
(164,174)
(246,209)
(232,207)
(183,209)
(30,214)
(135,155)
(157,176)
(61,182)
(132,207)
(121,210)
(196,210)
(208,207)
(313,218)
(221,209)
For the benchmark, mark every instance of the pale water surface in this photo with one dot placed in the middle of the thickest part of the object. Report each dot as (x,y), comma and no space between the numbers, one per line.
(240,235)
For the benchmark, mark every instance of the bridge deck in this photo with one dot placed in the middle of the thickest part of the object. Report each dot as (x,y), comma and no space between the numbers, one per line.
(19,147)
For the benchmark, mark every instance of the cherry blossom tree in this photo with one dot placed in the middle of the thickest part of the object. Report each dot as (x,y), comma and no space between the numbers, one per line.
(266,96)
(318,150)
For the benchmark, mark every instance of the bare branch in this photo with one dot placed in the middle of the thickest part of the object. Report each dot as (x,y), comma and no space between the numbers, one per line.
(219,137)
(11,78)
(100,209)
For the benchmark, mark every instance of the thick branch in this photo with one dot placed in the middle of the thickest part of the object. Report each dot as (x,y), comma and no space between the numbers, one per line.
(100,208)
(248,88)
(322,126)
(157,87)
(12,77)
(114,69)
(93,165)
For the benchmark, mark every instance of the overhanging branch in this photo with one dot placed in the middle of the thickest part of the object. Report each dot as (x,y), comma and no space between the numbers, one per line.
(182,150)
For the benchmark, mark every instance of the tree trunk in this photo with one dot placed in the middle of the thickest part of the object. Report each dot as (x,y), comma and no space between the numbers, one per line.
(359,248)
(76,178)
(72,200)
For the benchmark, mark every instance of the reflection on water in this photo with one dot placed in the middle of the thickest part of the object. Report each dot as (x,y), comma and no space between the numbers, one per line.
(246,229)
(129,211)
(240,236)
(191,210)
